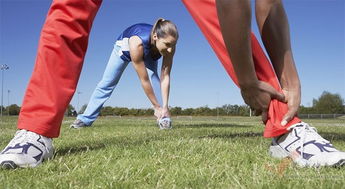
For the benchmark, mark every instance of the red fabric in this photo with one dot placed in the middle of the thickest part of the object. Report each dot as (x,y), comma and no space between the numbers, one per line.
(61,50)
(204,13)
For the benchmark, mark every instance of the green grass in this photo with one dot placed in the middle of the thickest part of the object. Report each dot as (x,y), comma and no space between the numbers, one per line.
(202,152)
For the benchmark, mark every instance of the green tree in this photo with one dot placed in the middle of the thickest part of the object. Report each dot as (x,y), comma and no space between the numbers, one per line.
(82,109)
(204,111)
(329,103)
(219,111)
(306,110)
(149,112)
(108,110)
(70,111)
(243,110)
(227,108)
(176,111)
(3,109)
(120,111)
(13,109)
(187,111)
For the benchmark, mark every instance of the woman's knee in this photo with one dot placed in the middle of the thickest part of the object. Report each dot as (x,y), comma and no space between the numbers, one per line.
(105,85)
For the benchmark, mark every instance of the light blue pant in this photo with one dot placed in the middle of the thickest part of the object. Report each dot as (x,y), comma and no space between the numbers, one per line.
(111,77)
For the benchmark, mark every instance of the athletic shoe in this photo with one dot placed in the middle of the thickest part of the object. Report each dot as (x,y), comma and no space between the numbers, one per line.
(77,124)
(165,123)
(306,148)
(26,149)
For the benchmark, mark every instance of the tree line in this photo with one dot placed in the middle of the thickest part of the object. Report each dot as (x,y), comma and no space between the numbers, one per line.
(327,103)
(234,110)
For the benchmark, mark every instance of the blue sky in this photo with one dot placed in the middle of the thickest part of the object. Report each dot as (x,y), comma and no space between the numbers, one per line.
(198,79)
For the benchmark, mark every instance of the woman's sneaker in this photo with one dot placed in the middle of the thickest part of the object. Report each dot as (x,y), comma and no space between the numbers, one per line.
(77,124)
(165,123)
(26,149)
(306,148)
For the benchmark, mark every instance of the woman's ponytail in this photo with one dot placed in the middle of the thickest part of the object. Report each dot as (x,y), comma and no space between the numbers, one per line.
(163,28)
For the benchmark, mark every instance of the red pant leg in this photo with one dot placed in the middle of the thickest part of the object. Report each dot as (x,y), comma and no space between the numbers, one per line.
(204,13)
(61,50)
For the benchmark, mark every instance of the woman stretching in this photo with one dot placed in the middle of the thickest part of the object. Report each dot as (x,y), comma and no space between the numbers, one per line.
(142,44)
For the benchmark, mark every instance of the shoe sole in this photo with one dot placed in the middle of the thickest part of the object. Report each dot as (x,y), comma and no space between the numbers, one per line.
(340,163)
(78,127)
(163,128)
(277,152)
(9,165)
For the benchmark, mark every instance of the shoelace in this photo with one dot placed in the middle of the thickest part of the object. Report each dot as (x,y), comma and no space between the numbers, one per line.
(32,137)
(306,129)
(24,136)
(303,136)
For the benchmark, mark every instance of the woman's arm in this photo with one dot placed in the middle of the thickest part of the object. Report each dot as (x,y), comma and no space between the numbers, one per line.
(136,50)
(165,81)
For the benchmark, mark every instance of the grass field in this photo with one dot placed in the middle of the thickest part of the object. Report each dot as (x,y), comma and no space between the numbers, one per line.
(202,152)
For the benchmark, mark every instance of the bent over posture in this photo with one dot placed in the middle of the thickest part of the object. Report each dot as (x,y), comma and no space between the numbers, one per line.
(272,92)
(142,44)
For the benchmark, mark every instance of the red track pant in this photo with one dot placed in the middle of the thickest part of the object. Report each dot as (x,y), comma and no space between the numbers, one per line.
(204,13)
(59,60)
(61,52)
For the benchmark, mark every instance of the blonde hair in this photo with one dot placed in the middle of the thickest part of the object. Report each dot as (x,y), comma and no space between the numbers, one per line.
(163,28)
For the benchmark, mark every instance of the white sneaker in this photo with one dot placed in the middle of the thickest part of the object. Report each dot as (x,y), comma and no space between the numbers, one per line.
(78,124)
(26,149)
(165,123)
(306,148)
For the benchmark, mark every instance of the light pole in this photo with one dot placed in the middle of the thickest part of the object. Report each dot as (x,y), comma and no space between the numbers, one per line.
(78,100)
(217,105)
(3,68)
(8,102)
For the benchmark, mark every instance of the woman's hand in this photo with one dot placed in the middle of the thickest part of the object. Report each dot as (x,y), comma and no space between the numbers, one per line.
(165,112)
(157,112)
(161,112)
